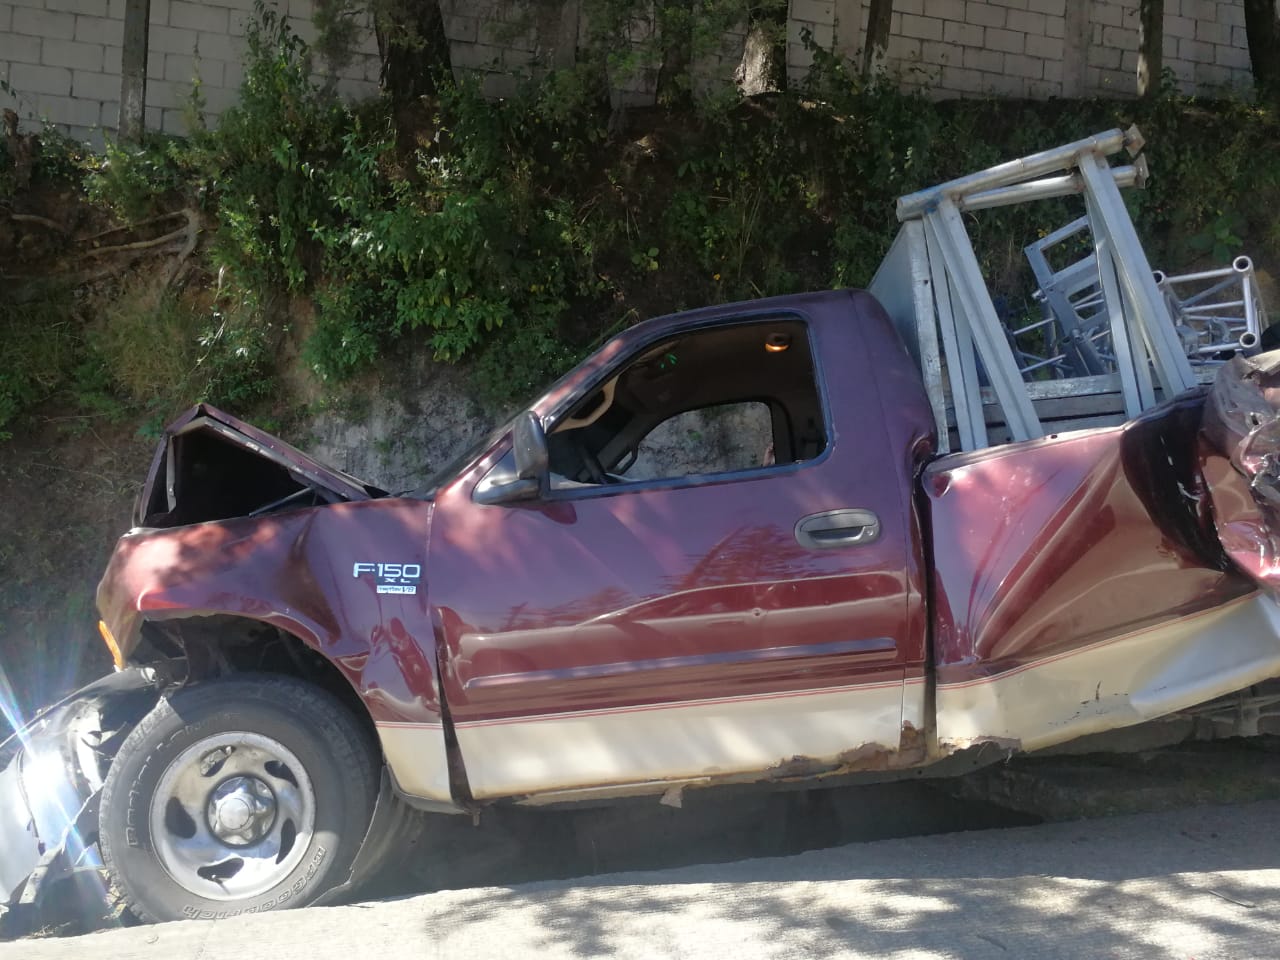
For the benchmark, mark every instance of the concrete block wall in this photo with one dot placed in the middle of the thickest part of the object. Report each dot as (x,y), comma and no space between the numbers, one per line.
(61,60)
(811,24)
(963,48)
(1205,44)
(499,43)
(950,48)
(718,68)
(494,43)
(1052,48)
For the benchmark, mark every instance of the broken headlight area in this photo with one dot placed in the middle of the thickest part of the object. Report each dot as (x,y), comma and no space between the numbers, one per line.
(51,773)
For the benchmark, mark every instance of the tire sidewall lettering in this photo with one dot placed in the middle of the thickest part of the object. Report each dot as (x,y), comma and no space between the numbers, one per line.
(192,912)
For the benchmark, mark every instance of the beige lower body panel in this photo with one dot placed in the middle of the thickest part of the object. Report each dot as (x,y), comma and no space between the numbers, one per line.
(677,742)
(415,752)
(1119,682)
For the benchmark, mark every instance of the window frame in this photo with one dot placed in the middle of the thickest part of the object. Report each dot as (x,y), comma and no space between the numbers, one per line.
(762,317)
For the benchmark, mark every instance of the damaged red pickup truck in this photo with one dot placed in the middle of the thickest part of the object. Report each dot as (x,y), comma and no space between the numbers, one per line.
(563,616)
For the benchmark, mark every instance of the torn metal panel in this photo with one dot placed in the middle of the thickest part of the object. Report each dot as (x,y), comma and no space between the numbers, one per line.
(1240,451)
(19,845)
(868,757)
(871,762)
(49,788)
(1117,682)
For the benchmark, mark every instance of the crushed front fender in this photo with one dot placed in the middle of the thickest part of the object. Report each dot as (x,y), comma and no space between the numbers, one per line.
(51,775)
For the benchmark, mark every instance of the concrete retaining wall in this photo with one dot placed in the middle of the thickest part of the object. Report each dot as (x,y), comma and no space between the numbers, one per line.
(1033,48)
(61,58)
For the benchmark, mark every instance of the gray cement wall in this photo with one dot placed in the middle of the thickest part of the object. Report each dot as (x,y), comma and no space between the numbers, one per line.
(61,58)
(1033,48)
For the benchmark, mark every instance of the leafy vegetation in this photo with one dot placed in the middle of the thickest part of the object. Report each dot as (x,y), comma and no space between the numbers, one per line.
(513,235)
(38,348)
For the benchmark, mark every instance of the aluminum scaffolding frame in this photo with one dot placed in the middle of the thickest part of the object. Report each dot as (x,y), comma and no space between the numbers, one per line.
(932,286)
(1076,327)
(1217,313)
(1224,315)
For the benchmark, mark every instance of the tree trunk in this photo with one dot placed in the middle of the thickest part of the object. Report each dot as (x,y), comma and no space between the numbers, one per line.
(1150,46)
(879,21)
(773,21)
(414,48)
(1264,46)
(133,70)
(674,26)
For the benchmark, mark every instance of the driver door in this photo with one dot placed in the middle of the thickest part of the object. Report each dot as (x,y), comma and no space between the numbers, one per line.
(702,620)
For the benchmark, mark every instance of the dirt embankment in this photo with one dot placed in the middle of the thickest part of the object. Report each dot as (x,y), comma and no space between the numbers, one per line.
(67,485)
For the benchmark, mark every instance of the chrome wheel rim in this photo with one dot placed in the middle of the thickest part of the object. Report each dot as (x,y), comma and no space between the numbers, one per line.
(232,816)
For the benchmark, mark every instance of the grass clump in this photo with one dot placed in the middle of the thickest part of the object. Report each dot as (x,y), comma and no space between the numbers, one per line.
(40,346)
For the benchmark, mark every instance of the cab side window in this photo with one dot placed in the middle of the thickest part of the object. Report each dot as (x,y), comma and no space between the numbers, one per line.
(728,399)
(719,439)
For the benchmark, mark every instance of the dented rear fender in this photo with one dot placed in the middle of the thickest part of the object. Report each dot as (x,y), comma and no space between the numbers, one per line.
(1240,458)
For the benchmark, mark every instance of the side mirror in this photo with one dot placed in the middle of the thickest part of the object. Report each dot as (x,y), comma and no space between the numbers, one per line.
(532,460)
(533,465)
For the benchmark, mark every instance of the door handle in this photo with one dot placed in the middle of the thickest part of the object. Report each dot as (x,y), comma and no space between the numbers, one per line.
(838,528)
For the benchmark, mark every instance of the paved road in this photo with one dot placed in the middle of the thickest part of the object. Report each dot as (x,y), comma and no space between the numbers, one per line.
(1201,883)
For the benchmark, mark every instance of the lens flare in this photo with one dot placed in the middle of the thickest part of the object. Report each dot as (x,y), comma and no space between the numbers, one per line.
(53,798)
(10,710)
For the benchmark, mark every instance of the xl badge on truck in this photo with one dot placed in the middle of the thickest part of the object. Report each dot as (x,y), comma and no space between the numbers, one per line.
(392,577)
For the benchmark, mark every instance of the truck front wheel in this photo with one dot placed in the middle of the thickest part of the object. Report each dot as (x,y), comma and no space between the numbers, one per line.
(240,795)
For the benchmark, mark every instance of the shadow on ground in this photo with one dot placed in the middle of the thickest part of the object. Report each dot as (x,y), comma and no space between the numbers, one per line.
(520,846)
(1085,888)
(770,863)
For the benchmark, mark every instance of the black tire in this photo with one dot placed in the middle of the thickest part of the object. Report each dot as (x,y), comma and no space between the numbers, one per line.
(197,763)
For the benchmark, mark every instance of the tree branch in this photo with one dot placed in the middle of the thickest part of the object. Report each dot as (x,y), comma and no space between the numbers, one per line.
(41,221)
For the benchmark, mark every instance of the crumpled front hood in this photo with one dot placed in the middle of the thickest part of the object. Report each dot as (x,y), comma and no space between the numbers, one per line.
(1240,456)
(212,466)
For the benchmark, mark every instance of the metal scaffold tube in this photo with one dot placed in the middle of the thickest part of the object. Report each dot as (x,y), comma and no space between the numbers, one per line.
(1020,170)
(979,314)
(1046,189)
(1150,315)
